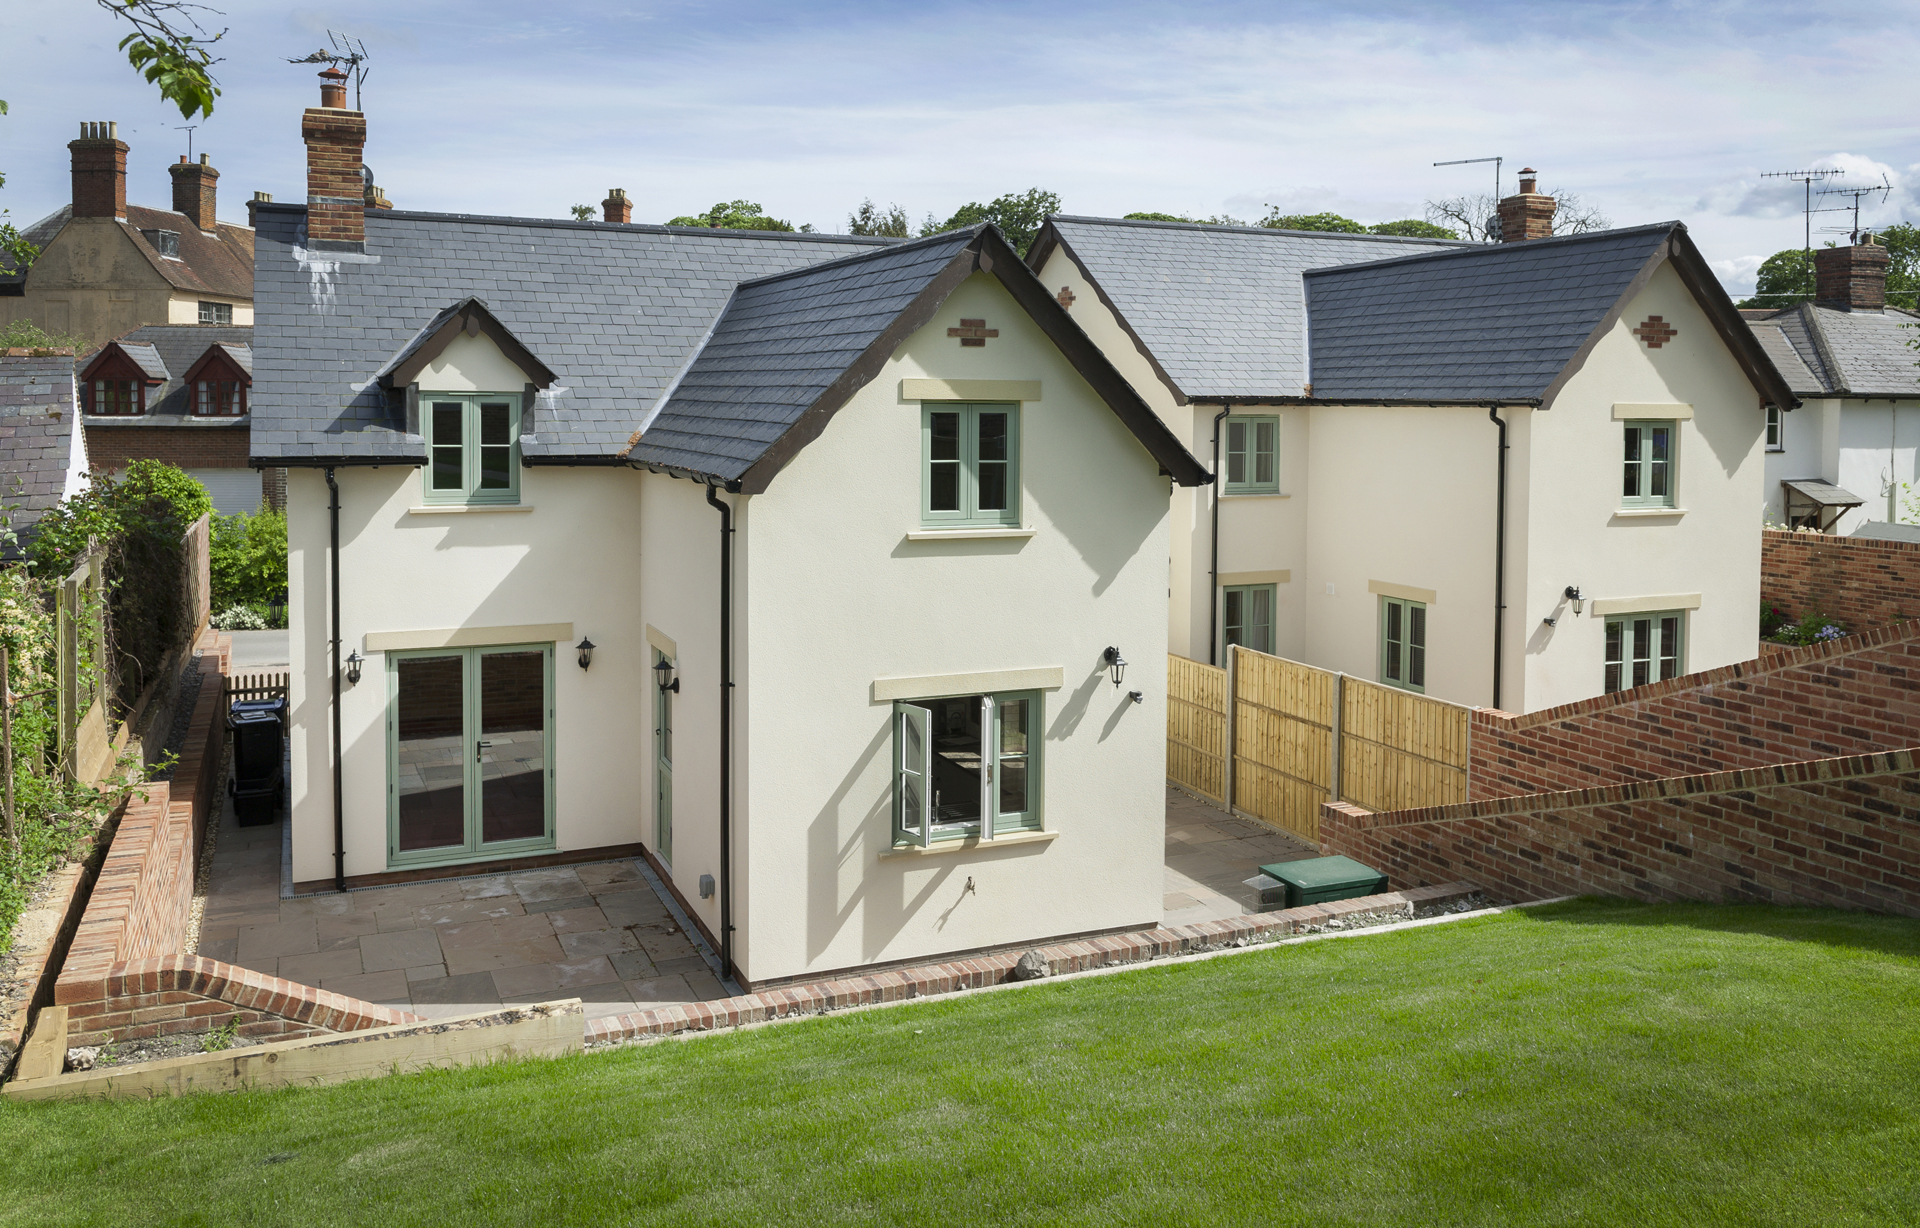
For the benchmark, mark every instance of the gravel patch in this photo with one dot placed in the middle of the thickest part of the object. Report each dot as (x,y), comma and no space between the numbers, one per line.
(92,1057)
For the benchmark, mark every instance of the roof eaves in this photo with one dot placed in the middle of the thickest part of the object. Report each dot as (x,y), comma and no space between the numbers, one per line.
(1037,255)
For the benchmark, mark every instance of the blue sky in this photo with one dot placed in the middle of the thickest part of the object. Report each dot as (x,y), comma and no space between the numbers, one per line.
(1648,111)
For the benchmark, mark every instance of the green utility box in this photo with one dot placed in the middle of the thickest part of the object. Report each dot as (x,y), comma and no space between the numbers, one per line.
(1320,879)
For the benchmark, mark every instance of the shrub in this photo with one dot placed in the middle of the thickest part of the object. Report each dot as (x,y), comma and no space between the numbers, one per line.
(239,618)
(1811,628)
(248,559)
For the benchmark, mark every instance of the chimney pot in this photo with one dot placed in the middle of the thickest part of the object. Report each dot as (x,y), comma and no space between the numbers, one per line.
(616,207)
(333,89)
(1527,215)
(1851,277)
(99,171)
(193,190)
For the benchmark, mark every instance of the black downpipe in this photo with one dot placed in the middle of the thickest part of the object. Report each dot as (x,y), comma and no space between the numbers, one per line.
(1499,553)
(726,732)
(339,803)
(1213,567)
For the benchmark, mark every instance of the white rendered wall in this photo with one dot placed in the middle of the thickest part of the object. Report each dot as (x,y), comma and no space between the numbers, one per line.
(841,597)
(1876,459)
(1802,455)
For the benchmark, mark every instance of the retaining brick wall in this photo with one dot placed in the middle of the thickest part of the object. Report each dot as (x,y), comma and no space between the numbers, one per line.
(1862,582)
(1839,833)
(168,995)
(1853,696)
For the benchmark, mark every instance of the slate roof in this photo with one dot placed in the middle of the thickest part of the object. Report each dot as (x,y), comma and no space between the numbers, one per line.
(147,359)
(1786,358)
(176,348)
(1844,352)
(782,342)
(614,310)
(220,264)
(37,418)
(1220,308)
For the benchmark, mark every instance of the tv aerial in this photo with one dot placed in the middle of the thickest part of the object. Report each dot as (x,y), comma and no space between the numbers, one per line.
(349,54)
(1884,188)
(1807,179)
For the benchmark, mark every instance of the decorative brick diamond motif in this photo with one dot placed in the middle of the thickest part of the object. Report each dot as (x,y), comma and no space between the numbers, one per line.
(1655,331)
(1064,298)
(973,332)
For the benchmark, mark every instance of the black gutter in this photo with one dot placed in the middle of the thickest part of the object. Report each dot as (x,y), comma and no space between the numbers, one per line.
(339,803)
(1499,553)
(1213,570)
(726,731)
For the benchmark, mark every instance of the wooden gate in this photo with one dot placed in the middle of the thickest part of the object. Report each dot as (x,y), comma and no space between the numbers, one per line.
(1197,727)
(1283,733)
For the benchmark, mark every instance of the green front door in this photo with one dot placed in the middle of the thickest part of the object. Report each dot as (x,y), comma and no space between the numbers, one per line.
(469,753)
(662,768)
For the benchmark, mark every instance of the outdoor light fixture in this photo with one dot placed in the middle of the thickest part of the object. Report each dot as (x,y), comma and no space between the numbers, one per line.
(1136,697)
(585,647)
(1116,663)
(1573,595)
(663,670)
(353,662)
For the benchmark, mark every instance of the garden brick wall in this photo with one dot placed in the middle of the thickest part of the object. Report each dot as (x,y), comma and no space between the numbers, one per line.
(169,995)
(1856,695)
(1837,833)
(1862,582)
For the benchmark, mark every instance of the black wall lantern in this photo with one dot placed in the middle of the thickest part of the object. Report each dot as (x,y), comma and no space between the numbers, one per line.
(354,660)
(1116,663)
(663,670)
(585,647)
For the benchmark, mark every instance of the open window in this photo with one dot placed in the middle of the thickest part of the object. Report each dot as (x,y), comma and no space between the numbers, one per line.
(965,766)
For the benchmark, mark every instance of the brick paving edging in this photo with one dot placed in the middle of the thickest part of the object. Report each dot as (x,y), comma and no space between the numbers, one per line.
(984,970)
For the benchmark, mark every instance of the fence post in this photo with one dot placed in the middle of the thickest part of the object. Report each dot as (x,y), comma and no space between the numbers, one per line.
(67,685)
(1233,703)
(6,749)
(1337,734)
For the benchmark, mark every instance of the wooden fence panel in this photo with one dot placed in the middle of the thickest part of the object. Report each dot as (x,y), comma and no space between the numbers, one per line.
(256,686)
(1197,727)
(1400,750)
(1283,741)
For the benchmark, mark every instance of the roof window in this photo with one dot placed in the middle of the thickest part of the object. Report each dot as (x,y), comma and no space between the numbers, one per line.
(166,242)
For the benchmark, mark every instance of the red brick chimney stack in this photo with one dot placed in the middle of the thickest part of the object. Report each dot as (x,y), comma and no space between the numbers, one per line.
(1528,215)
(1851,277)
(616,207)
(99,171)
(193,190)
(336,179)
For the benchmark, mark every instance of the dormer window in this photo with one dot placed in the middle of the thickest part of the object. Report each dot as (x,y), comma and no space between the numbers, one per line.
(165,242)
(217,383)
(219,398)
(117,396)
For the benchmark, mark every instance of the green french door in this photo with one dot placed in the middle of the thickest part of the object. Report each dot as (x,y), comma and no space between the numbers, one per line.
(662,768)
(469,753)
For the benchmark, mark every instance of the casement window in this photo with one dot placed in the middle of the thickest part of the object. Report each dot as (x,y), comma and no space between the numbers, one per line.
(1776,442)
(219,398)
(1403,644)
(1253,455)
(1247,615)
(1648,472)
(216,313)
(469,753)
(966,766)
(970,464)
(473,447)
(1643,648)
(117,396)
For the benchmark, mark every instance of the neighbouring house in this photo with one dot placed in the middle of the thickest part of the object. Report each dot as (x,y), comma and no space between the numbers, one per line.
(106,266)
(809,567)
(1515,475)
(1844,462)
(180,393)
(43,451)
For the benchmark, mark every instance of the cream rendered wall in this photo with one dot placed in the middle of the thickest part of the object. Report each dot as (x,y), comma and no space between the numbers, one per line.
(840,597)
(185,309)
(1578,536)
(1259,533)
(406,572)
(91,281)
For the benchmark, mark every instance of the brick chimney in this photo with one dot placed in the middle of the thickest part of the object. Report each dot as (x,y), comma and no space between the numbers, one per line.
(336,182)
(1528,215)
(193,190)
(1851,277)
(616,207)
(99,171)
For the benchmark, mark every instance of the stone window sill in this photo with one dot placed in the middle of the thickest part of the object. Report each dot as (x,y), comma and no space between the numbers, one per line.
(1254,494)
(973,844)
(1643,512)
(469,509)
(956,535)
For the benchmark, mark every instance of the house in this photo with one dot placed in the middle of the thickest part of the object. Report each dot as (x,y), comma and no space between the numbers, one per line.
(106,267)
(179,393)
(807,567)
(1512,475)
(1845,461)
(43,451)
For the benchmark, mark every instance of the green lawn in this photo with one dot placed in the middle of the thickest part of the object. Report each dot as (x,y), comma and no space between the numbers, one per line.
(1589,1063)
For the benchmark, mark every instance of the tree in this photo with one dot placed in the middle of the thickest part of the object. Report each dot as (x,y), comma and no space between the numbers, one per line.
(13,245)
(1902,242)
(582,213)
(869,220)
(1477,216)
(1330,222)
(1785,278)
(1412,228)
(26,335)
(735,215)
(168,47)
(1218,219)
(1019,215)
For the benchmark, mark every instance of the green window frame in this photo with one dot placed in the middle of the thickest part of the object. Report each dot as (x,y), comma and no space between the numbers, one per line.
(1253,454)
(1246,615)
(1643,648)
(1776,441)
(989,745)
(473,447)
(969,464)
(1651,463)
(1403,644)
